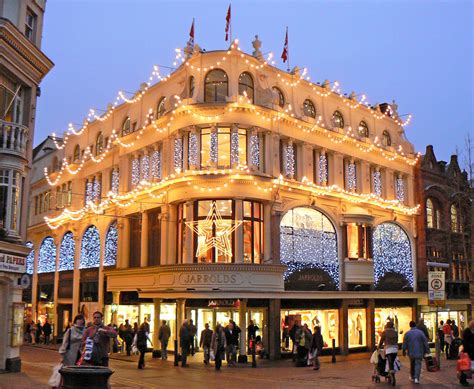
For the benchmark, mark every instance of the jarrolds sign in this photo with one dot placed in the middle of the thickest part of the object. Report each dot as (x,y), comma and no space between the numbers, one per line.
(12,263)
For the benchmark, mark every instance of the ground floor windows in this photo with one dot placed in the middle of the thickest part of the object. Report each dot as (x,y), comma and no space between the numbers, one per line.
(356,327)
(459,315)
(399,316)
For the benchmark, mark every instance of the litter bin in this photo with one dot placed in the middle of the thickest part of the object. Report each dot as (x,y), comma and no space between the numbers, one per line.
(90,377)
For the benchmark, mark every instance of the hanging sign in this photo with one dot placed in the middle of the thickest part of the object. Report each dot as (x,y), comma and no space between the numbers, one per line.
(12,263)
(436,288)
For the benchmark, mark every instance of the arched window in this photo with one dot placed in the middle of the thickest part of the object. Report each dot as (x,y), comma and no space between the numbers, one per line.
(386,140)
(47,256)
(392,257)
(99,143)
(55,166)
(191,86)
(30,258)
(216,86)
(454,218)
(281,97)
(161,109)
(90,249)
(363,129)
(246,86)
(430,214)
(126,127)
(77,153)
(111,241)
(309,109)
(337,120)
(308,242)
(66,252)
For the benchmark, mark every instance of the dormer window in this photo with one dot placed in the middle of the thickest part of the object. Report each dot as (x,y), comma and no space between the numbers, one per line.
(386,140)
(126,128)
(363,129)
(281,97)
(216,86)
(99,144)
(309,109)
(246,86)
(161,109)
(337,120)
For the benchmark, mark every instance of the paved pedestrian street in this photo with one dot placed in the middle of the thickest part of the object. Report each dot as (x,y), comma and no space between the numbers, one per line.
(37,364)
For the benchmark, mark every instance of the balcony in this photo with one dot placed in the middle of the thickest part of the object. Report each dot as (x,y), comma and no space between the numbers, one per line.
(358,272)
(13,138)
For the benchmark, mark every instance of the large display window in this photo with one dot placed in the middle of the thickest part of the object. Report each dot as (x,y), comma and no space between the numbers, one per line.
(356,326)
(168,313)
(460,318)
(326,319)
(399,316)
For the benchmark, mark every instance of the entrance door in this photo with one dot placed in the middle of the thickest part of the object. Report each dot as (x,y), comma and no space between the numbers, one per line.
(64,318)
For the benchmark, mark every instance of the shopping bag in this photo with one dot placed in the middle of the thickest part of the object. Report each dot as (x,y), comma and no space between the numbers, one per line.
(55,379)
(374,359)
(212,355)
(464,362)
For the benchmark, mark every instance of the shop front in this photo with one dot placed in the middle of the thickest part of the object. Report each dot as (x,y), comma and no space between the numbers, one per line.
(399,312)
(460,313)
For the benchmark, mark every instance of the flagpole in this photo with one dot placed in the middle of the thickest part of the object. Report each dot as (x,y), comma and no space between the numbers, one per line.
(230,22)
(288,50)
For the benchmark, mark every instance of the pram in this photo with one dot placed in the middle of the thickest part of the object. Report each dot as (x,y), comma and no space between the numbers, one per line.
(380,368)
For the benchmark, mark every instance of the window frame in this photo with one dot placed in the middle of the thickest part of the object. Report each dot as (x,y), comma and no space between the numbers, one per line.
(308,104)
(244,87)
(126,126)
(214,99)
(99,143)
(160,108)
(337,119)
(363,126)
(386,139)
(281,96)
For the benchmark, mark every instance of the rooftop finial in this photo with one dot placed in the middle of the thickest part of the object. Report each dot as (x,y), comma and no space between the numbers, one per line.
(257,43)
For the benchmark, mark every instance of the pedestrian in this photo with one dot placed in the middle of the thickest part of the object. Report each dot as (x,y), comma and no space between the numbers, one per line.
(33,332)
(184,338)
(192,335)
(415,345)
(468,348)
(440,335)
(232,339)
(304,340)
(205,342)
(293,331)
(317,345)
(39,331)
(389,340)
(46,331)
(455,329)
(218,345)
(448,337)
(128,335)
(96,342)
(147,325)
(140,342)
(164,336)
(422,327)
(72,339)
(251,333)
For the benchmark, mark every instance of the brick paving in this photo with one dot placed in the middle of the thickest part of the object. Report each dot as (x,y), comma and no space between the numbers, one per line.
(37,364)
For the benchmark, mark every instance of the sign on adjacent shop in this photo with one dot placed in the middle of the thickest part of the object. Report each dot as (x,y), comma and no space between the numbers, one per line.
(12,263)
(436,288)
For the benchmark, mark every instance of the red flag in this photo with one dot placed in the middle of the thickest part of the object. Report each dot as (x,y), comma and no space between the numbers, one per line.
(191,34)
(284,55)
(227,24)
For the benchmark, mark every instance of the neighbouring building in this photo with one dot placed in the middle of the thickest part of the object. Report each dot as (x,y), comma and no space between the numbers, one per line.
(22,67)
(445,235)
(231,190)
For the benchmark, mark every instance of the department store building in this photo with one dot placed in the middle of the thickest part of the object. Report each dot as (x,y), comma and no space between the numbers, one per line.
(230,189)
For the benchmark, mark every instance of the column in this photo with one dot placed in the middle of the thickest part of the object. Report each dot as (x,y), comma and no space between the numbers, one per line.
(156,323)
(125,167)
(166,158)
(371,324)
(123,255)
(272,154)
(363,177)
(307,168)
(164,217)
(409,190)
(56,290)
(180,316)
(336,170)
(76,282)
(115,303)
(101,291)
(274,342)
(343,328)
(106,181)
(144,240)
(388,180)
(172,225)
(34,283)
(275,238)
(239,232)
(267,231)
(243,335)
(188,233)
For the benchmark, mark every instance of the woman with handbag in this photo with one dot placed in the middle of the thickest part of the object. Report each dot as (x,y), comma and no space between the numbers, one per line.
(70,348)
(317,345)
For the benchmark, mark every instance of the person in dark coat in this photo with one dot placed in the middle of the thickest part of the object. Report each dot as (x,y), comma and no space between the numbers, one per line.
(422,327)
(251,333)
(441,335)
(128,335)
(47,331)
(468,348)
(39,331)
(455,329)
(184,337)
(317,345)
(140,342)
(232,338)
(192,335)
(205,342)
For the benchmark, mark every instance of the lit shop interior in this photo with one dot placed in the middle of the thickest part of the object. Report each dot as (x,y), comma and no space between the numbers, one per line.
(459,316)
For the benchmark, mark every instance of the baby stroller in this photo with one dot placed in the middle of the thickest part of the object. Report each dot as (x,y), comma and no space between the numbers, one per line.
(380,368)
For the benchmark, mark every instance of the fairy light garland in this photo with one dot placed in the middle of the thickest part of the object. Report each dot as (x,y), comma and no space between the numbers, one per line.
(111,245)
(30,258)
(351,181)
(66,252)
(115,181)
(323,168)
(234,148)
(135,171)
(90,249)
(178,154)
(156,165)
(400,189)
(193,152)
(377,182)
(145,168)
(255,151)
(290,159)
(47,256)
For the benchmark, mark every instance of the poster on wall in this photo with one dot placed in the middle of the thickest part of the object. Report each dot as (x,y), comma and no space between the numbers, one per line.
(18,316)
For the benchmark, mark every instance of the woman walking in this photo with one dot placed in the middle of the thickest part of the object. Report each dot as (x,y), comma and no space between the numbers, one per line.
(390,340)
(140,342)
(218,345)
(468,346)
(317,345)
(70,348)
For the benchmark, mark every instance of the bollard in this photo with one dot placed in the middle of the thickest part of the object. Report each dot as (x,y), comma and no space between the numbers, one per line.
(254,357)
(333,360)
(91,377)
(176,354)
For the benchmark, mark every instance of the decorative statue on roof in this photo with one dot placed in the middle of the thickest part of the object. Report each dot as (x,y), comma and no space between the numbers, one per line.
(257,44)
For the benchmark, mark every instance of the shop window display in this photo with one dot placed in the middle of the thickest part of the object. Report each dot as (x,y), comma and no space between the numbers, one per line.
(400,316)
(460,317)
(327,320)
(356,325)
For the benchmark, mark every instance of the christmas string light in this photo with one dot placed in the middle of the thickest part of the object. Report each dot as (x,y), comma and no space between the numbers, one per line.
(111,245)
(30,258)
(47,256)
(66,252)
(90,249)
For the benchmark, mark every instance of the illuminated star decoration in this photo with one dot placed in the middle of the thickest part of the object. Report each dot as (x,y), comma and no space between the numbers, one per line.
(223,230)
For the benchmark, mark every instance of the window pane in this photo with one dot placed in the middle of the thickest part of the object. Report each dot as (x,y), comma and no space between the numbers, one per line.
(205,148)
(223,148)
(247,241)
(257,237)
(247,209)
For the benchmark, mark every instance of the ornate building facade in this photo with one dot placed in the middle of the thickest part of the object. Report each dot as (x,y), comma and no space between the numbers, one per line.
(22,67)
(445,234)
(232,190)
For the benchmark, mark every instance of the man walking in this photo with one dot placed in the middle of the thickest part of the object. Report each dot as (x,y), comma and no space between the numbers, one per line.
(416,345)
(205,342)
(192,335)
(164,336)
(184,338)
(232,340)
(46,331)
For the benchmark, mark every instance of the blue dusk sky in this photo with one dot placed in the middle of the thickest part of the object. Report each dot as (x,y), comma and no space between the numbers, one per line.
(419,53)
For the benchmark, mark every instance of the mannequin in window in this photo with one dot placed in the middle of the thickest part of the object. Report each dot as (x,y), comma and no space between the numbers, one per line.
(359,327)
